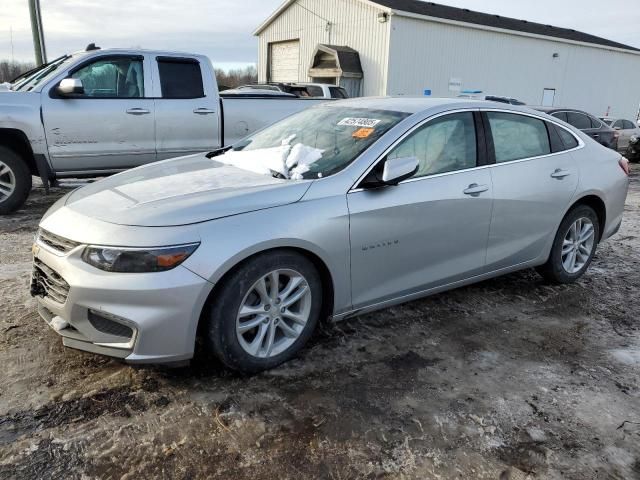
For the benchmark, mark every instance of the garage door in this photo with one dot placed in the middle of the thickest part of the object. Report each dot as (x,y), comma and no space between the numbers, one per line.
(285,58)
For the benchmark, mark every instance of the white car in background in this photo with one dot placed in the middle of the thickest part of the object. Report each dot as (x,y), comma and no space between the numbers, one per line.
(314,90)
(626,129)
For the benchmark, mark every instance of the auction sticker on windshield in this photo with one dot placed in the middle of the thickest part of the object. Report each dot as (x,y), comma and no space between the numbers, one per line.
(359,122)
(363,132)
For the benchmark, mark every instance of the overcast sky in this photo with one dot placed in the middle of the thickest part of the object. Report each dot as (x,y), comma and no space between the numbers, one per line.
(222,28)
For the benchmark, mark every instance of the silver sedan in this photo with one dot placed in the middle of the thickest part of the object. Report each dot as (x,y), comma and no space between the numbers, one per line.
(338,210)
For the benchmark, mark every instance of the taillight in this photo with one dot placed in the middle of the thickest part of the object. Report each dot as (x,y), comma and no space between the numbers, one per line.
(624,165)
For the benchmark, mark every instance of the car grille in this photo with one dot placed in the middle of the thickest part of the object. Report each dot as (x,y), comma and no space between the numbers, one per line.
(46,282)
(57,243)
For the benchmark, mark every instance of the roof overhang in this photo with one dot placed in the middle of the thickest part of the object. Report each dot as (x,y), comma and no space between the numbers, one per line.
(401,13)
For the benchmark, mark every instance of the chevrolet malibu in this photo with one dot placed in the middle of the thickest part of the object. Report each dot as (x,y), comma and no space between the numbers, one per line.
(338,210)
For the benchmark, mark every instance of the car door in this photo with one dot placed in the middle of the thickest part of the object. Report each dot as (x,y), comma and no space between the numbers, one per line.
(534,178)
(187,108)
(431,229)
(108,127)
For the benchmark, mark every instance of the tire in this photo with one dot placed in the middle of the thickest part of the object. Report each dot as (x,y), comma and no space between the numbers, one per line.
(558,267)
(227,332)
(15,181)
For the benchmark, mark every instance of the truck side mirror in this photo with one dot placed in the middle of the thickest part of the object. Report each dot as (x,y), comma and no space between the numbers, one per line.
(70,86)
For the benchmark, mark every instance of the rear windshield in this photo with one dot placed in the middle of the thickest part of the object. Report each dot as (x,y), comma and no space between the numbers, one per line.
(314,143)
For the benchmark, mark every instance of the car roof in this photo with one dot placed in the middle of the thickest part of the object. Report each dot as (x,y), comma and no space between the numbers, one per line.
(416,104)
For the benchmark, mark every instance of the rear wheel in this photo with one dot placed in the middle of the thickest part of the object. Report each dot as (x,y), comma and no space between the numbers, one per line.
(573,247)
(15,181)
(265,311)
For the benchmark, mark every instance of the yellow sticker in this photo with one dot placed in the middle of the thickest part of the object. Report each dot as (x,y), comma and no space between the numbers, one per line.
(362,132)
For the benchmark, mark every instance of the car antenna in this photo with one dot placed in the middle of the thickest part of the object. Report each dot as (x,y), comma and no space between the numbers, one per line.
(90,47)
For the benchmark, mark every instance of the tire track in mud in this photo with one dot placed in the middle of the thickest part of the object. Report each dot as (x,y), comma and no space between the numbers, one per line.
(120,402)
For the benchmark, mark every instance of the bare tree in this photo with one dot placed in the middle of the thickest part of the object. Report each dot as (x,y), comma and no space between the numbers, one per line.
(10,70)
(236,76)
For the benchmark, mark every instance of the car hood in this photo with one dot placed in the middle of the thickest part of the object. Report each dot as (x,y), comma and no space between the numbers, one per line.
(182,191)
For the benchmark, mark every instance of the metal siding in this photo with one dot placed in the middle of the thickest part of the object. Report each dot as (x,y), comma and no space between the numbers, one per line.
(425,55)
(353,23)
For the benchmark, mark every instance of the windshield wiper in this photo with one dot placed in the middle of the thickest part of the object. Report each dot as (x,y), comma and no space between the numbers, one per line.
(218,151)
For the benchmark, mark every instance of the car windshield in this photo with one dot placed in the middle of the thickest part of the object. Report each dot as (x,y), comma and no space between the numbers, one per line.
(40,74)
(314,143)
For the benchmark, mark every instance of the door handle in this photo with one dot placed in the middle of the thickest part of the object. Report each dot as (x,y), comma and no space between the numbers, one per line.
(560,174)
(474,189)
(203,111)
(138,111)
(595,135)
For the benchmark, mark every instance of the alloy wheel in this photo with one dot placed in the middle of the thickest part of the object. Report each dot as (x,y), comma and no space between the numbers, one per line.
(7,181)
(273,313)
(577,245)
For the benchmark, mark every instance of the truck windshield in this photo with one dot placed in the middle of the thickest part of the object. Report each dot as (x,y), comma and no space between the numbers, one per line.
(314,143)
(30,79)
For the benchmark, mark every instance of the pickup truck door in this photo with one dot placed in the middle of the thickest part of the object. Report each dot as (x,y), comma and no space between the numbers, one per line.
(187,106)
(110,126)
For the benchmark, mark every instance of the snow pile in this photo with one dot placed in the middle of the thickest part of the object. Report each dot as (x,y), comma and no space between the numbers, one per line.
(287,160)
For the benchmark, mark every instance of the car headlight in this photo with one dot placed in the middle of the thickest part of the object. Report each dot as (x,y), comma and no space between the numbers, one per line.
(137,260)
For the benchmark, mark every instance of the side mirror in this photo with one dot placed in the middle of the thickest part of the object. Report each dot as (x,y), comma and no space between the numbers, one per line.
(70,86)
(390,171)
(616,128)
(398,169)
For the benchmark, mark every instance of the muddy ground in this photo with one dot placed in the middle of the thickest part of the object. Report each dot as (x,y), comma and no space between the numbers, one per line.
(507,379)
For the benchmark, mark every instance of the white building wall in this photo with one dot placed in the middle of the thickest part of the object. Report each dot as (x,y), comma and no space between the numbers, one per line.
(426,55)
(353,23)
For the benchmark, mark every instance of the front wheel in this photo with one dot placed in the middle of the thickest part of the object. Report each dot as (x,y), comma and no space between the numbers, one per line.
(265,311)
(573,247)
(15,181)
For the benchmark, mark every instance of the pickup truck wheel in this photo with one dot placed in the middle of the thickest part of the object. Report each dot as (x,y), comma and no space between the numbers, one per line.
(265,311)
(15,181)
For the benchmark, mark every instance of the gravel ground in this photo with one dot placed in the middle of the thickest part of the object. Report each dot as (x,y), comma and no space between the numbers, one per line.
(507,379)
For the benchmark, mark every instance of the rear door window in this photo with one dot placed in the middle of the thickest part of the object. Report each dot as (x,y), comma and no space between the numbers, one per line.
(518,136)
(579,120)
(315,91)
(628,125)
(338,92)
(560,115)
(180,78)
(595,123)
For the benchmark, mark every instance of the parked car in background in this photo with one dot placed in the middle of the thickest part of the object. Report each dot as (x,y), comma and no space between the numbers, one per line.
(512,101)
(316,90)
(325,90)
(625,128)
(491,98)
(98,112)
(590,125)
(337,211)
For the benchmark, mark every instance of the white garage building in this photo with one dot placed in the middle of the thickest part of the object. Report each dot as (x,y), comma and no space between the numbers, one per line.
(411,47)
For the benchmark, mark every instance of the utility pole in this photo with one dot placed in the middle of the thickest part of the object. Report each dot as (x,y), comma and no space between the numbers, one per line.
(37,32)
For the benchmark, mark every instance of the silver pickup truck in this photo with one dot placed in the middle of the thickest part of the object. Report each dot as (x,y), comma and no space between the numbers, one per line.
(98,112)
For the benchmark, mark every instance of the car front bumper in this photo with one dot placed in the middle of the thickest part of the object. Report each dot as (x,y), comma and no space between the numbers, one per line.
(139,317)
